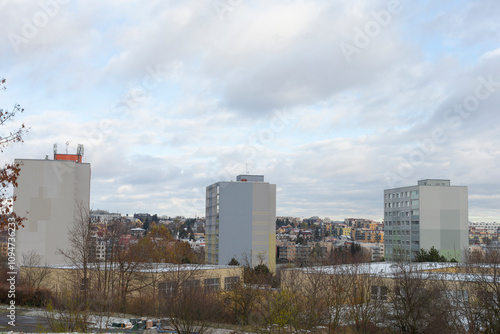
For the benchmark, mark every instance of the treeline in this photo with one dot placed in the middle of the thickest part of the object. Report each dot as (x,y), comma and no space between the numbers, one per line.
(348,298)
(399,297)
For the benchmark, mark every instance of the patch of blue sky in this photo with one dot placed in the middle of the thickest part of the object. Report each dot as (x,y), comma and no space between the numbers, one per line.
(169,98)
(435,38)
(157,151)
(17,89)
(439,46)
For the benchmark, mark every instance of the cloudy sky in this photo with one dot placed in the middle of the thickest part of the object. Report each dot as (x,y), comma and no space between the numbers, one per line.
(333,101)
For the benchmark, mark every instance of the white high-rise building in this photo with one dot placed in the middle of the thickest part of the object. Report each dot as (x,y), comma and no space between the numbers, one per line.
(241,221)
(52,194)
(430,214)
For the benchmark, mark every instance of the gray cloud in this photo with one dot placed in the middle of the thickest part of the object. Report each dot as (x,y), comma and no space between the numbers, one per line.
(170,97)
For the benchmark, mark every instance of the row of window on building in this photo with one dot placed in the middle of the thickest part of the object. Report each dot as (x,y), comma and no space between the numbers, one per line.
(169,288)
(399,232)
(402,242)
(402,214)
(401,223)
(459,297)
(402,194)
(397,204)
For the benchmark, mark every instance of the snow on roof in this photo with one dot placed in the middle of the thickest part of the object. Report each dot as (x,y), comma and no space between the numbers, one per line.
(149,267)
(391,269)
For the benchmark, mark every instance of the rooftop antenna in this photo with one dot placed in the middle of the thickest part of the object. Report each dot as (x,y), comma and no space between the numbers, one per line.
(67,144)
(79,149)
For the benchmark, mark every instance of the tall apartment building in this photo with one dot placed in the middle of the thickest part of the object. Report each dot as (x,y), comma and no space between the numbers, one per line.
(241,221)
(432,213)
(51,194)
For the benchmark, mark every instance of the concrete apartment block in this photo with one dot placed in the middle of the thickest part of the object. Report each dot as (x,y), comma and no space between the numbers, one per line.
(240,221)
(432,213)
(51,194)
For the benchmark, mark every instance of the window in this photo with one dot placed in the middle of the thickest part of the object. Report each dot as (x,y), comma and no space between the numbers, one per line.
(212,284)
(167,289)
(230,282)
(458,297)
(191,284)
(379,293)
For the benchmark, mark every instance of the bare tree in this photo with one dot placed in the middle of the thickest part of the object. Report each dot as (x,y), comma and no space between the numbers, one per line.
(34,273)
(309,298)
(9,172)
(241,301)
(81,254)
(366,296)
(190,306)
(483,270)
(336,296)
(418,304)
(279,313)
(65,314)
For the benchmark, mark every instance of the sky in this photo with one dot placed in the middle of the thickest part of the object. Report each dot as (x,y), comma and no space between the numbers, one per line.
(332,101)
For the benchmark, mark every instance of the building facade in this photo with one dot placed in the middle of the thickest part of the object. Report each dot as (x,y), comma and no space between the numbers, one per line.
(240,221)
(431,214)
(51,194)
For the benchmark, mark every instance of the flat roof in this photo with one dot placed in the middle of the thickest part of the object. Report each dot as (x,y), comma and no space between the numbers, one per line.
(148,267)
